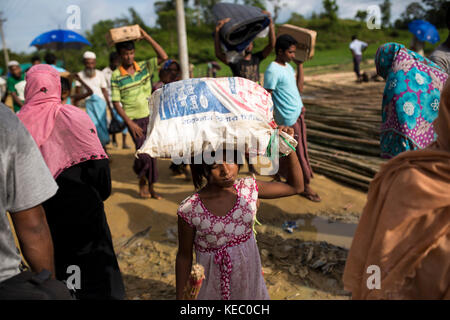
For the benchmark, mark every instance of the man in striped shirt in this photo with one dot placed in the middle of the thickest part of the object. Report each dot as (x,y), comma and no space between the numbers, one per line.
(131,85)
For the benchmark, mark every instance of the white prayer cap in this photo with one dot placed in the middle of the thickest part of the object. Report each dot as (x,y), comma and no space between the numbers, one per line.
(89,55)
(13,63)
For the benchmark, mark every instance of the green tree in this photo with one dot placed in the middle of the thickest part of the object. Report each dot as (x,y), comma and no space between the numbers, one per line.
(412,12)
(297,19)
(277,6)
(361,15)
(435,12)
(255,3)
(385,9)
(331,9)
(205,7)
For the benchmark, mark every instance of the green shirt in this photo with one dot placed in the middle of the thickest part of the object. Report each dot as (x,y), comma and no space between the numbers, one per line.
(11,85)
(133,91)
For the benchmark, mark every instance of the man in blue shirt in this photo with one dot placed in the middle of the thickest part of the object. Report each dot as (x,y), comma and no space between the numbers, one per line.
(280,80)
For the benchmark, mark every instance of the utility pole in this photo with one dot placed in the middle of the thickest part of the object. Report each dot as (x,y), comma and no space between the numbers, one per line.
(5,49)
(182,40)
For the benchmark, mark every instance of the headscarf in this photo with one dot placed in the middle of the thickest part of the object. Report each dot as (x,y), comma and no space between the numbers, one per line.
(64,134)
(405,225)
(410,99)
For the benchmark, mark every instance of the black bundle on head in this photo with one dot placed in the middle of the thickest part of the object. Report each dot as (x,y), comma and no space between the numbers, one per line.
(284,42)
(126,45)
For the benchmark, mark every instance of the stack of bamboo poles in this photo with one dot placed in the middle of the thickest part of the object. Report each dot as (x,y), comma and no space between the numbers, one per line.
(343,134)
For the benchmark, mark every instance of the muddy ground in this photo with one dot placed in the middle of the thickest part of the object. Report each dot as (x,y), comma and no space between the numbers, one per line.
(305,264)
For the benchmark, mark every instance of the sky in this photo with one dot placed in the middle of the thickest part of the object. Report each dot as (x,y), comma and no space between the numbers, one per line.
(26,19)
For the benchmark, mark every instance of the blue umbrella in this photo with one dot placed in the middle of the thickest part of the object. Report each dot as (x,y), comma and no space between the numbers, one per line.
(60,39)
(424,31)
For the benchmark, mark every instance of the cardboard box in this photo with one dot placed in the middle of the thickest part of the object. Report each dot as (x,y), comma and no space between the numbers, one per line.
(306,40)
(123,34)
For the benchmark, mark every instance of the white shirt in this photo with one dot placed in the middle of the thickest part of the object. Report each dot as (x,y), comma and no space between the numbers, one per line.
(96,83)
(20,88)
(107,72)
(2,87)
(357,46)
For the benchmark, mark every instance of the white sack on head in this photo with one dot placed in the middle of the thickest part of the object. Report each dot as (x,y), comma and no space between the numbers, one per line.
(192,115)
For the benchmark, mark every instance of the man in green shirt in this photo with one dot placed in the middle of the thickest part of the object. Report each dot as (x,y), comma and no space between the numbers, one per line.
(131,86)
(16,77)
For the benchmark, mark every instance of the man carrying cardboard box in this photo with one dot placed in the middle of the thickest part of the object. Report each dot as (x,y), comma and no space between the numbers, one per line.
(130,88)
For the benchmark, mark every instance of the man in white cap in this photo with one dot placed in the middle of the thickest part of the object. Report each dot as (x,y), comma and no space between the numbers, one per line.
(16,76)
(96,104)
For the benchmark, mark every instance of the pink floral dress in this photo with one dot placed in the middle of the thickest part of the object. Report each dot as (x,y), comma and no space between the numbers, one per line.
(226,247)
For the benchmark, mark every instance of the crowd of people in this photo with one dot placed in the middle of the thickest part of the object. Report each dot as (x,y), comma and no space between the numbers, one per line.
(55,176)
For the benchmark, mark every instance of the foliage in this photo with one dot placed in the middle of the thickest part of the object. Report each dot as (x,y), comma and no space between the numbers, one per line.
(331,8)
(361,15)
(385,9)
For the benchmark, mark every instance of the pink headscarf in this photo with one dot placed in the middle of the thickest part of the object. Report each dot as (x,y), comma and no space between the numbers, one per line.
(64,134)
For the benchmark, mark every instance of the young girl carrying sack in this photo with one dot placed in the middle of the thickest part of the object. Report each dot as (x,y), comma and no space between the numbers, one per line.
(218,221)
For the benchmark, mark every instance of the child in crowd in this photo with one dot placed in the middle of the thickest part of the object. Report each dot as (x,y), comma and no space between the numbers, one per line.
(66,89)
(218,220)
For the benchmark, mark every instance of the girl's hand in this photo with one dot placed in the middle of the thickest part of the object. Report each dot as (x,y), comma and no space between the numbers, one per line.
(288,130)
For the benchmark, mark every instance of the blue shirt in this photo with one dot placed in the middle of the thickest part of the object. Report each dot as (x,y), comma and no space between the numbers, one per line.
(59,69)
(286,98)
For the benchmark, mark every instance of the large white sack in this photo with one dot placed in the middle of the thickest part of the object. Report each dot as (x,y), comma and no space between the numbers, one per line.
(188,116)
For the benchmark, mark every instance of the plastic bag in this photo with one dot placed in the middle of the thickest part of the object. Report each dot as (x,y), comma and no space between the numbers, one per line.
(190,116)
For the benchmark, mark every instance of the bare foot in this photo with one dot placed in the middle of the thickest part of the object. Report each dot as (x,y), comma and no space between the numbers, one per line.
(153,193)
(143,192)
(310,195)
(155,196)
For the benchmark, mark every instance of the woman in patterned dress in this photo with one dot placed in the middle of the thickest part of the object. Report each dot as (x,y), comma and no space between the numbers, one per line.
(410,99)
(218,221)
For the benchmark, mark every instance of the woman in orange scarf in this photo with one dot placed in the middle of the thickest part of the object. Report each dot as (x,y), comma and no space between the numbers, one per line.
(405,227)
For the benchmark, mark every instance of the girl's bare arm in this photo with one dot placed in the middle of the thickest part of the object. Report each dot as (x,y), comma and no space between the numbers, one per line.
(294,183)
(184,255)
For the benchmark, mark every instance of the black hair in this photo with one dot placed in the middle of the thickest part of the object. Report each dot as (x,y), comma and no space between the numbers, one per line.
(126,45)
(35,58)
(201,172)
(113,56)
(353,37)
(162,73)
(65,84)
(50,58)
(284,42)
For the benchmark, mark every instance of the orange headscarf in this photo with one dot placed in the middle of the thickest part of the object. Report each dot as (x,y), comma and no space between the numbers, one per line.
(405,225)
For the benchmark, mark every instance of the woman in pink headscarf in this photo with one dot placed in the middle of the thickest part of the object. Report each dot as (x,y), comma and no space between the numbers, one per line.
(70,146)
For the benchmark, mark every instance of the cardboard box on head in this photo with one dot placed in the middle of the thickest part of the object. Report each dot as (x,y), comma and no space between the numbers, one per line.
(306,40)
(122,34)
